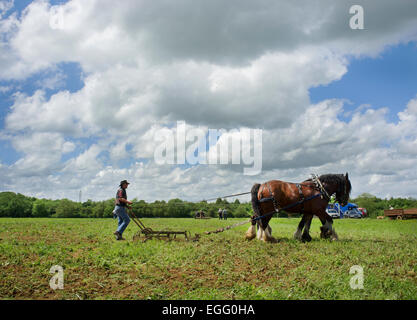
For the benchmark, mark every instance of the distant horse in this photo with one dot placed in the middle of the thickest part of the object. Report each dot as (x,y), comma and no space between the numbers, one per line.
(308,198)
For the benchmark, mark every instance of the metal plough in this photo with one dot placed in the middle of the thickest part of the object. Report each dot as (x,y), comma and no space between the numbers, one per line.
(146,233)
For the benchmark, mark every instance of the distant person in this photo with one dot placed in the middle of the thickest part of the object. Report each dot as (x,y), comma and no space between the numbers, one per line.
(220,213)
(120,209)
(224,213)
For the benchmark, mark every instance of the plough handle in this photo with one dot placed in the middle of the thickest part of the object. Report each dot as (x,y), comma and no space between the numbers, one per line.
(137,221)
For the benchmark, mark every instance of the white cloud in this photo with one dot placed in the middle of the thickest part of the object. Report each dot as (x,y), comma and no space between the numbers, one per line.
(5,6)
(100,35)
(149,65)
(35,113)
(326,145)
(51,82)
(5,89)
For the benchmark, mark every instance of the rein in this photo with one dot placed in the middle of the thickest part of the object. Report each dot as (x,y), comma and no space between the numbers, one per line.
(289,206)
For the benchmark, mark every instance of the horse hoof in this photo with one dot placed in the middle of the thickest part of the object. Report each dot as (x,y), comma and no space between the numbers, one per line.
(297,235)
(306,238)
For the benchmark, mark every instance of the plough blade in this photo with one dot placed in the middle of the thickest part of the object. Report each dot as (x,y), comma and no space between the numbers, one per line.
(148,233)
(163,235)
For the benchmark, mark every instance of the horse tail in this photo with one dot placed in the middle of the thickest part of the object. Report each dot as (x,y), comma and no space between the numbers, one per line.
(255,202)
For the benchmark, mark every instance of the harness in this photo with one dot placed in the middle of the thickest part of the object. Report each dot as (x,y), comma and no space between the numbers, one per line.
(318,185)
(301,194)
(271,198)
(289,206)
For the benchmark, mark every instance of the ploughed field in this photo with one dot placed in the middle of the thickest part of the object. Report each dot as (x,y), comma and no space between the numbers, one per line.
(218,266)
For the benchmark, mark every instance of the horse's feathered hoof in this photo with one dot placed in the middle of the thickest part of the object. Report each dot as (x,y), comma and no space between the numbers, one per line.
(306,238)
(251,233)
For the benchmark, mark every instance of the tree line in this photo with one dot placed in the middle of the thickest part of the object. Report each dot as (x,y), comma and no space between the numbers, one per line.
(19,206)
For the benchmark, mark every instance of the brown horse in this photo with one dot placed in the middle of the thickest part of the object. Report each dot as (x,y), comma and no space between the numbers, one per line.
(308,198)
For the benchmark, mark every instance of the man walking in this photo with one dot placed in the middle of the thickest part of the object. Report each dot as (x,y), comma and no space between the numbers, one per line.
(120,209)
(220,213)
(224,213)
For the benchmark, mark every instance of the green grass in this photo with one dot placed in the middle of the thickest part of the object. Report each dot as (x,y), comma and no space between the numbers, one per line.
(219,266)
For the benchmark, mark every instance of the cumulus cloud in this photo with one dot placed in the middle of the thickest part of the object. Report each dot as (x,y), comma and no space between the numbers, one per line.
(213,64)
(99,34)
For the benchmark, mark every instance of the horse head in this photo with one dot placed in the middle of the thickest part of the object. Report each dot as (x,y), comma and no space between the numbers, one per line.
(343,191)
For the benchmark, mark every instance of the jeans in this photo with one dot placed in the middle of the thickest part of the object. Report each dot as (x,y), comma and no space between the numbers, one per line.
(124,219)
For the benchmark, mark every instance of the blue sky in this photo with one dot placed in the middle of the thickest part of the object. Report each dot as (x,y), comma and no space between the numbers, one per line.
(389,80)
(20,5)
(72,80)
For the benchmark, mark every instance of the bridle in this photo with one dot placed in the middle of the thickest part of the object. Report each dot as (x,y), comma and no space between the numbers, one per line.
(319,185)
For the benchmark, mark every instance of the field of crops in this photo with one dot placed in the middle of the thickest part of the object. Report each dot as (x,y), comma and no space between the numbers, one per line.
(219,266)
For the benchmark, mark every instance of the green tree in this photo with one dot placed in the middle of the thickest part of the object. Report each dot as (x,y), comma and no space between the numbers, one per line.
(40,209)
(371,203)
(99,210)
(241,211)
(68,209)
(19,206)
(5,199)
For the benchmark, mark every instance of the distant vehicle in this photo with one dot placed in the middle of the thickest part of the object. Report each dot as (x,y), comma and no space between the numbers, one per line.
(333,210)
(353,212)
(401,214)
(333,213)
(200,215)
(350,210)
(363,211)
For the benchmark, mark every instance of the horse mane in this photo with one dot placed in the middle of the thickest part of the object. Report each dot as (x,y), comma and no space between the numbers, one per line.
(339,179)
